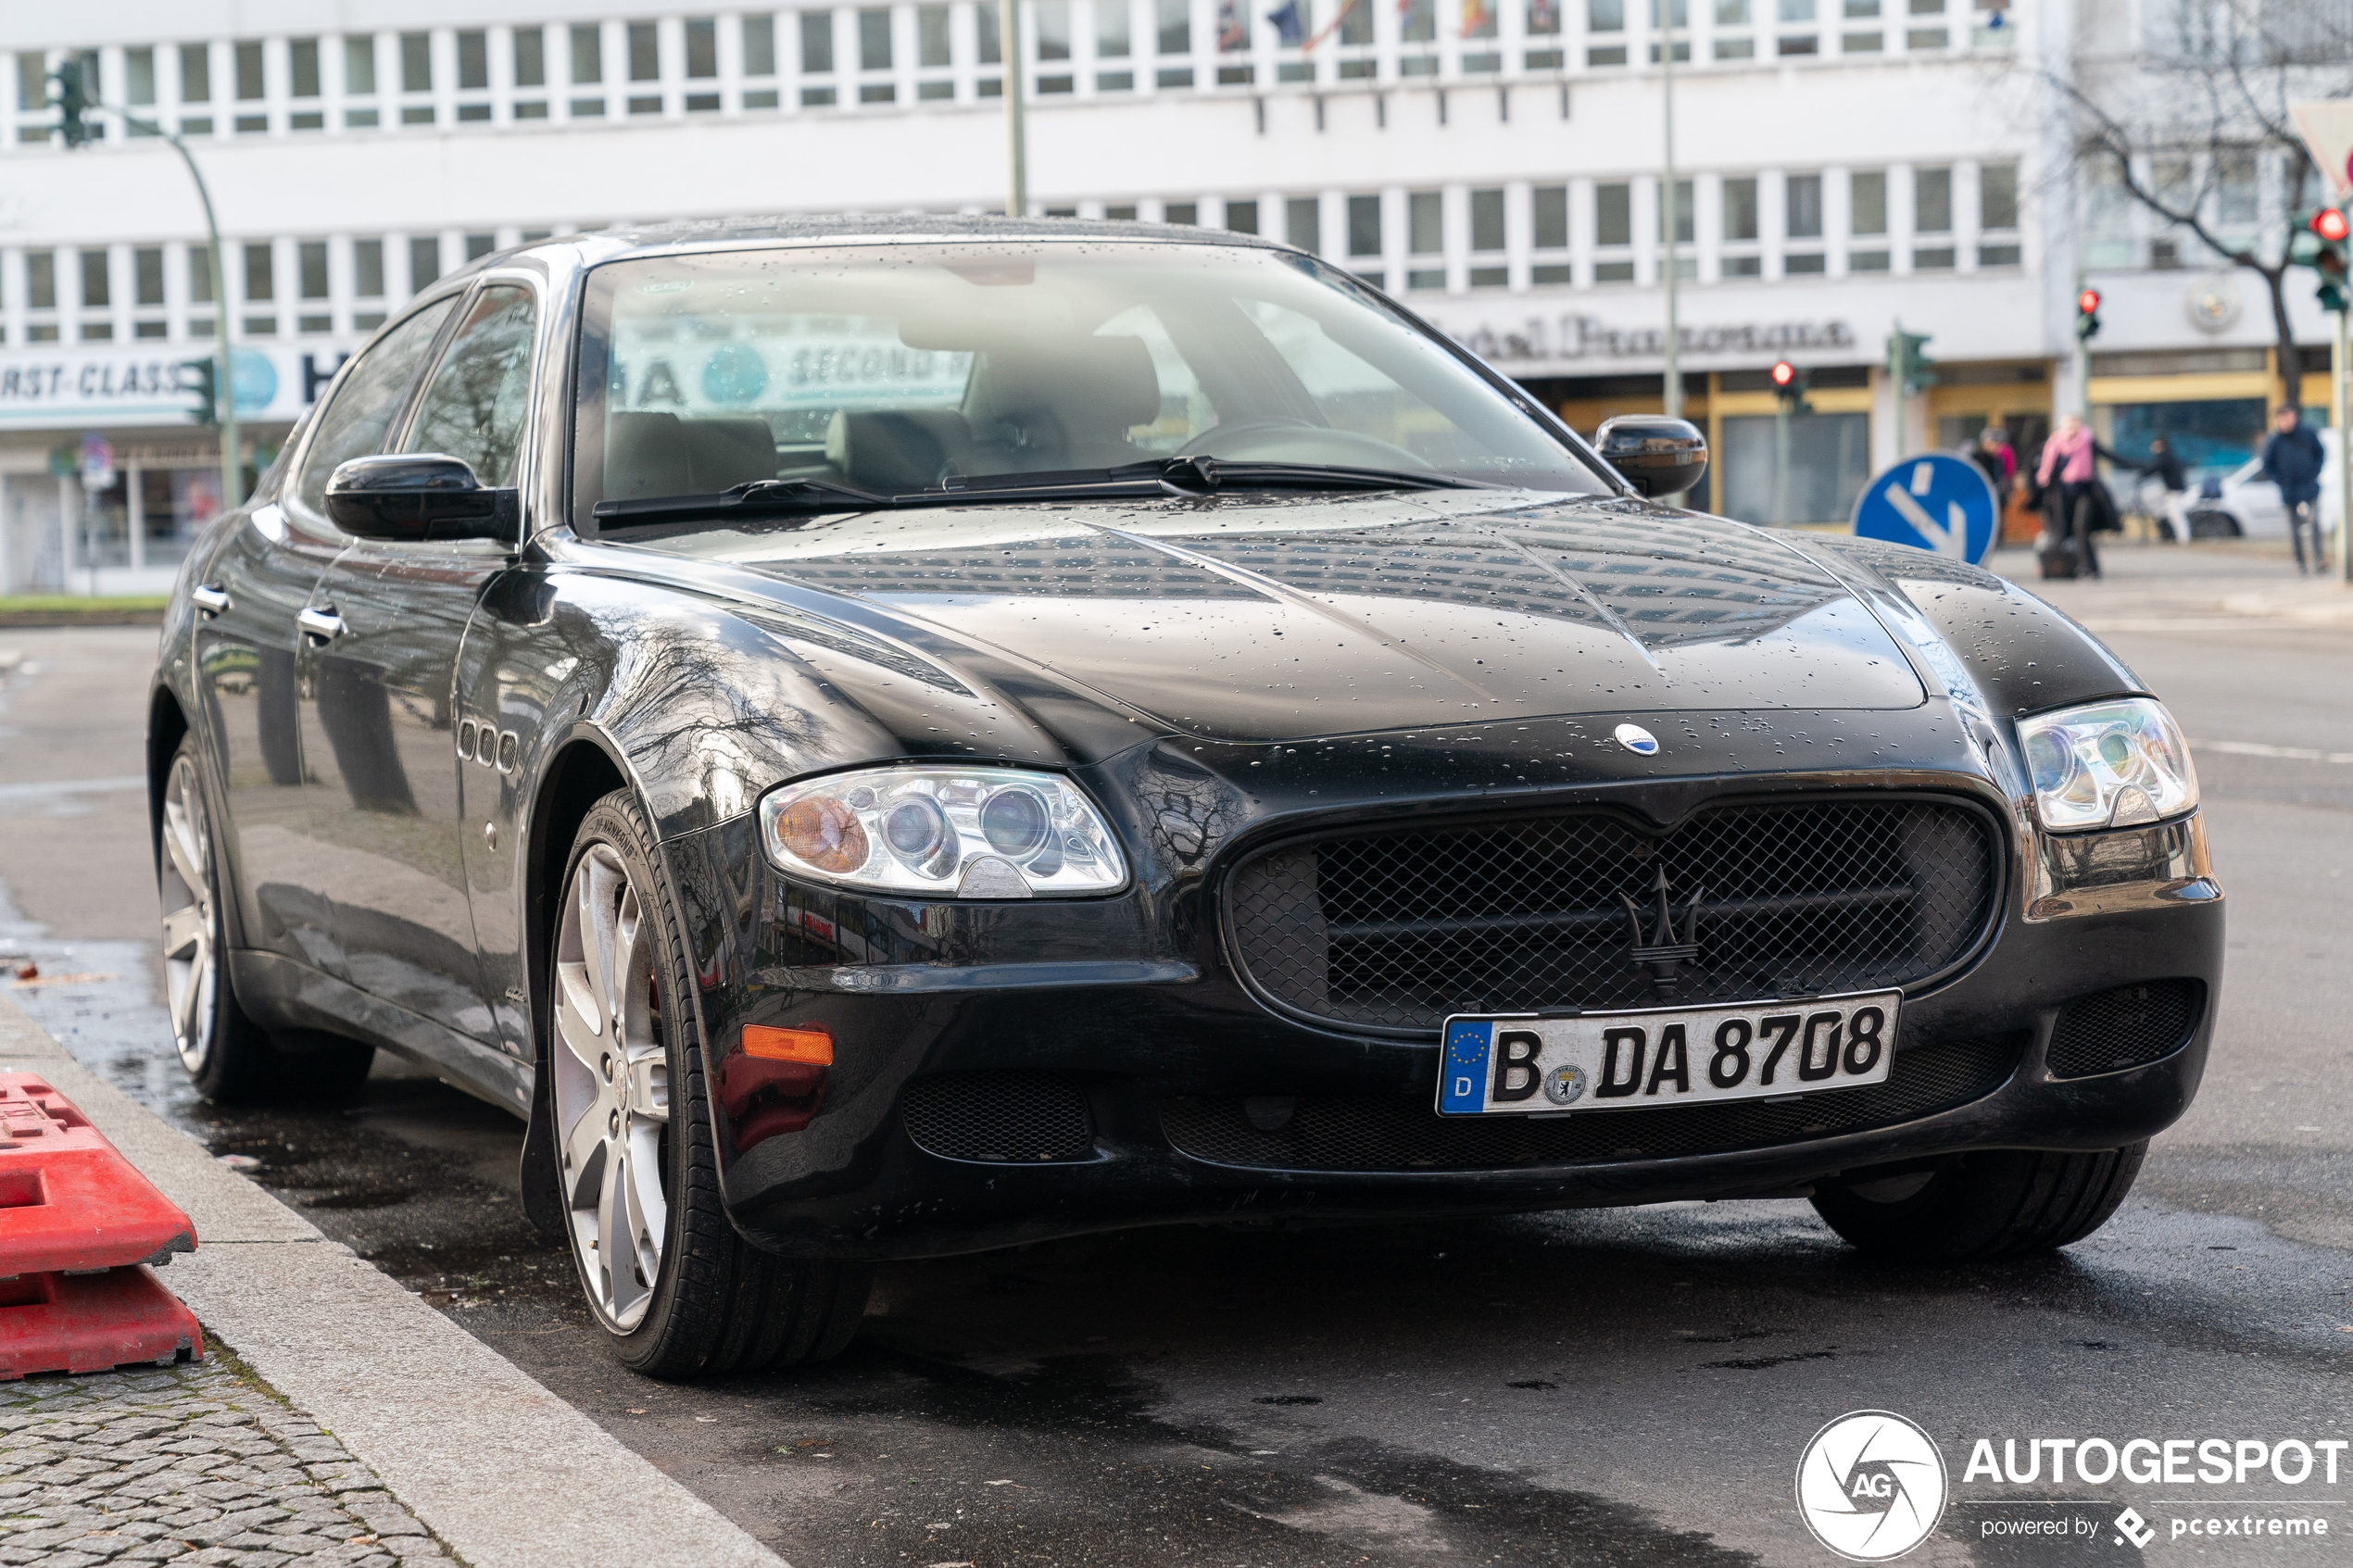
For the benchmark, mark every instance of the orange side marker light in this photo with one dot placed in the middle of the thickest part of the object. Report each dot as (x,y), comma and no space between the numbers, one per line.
(815,1046)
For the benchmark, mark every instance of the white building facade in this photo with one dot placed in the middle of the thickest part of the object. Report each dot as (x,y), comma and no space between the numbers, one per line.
(1844,166)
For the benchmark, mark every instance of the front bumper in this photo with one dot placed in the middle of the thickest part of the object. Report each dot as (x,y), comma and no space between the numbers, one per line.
(1124,1005)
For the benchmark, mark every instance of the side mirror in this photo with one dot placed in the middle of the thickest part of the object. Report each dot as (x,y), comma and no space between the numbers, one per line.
(1656,455)
(418,497)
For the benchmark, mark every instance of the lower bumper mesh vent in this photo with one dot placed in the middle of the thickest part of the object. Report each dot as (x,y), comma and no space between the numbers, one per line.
(1389,1133)
(999,1118)
(2129,1026)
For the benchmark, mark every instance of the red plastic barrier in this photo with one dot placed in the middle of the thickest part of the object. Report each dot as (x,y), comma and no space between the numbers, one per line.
(77,1222)
(69,1199)
(88,1322)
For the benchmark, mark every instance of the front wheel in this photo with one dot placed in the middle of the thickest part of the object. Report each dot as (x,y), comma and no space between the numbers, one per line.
(1997,1204)
(677,1291)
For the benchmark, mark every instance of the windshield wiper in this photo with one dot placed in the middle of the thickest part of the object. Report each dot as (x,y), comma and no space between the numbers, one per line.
(1196,475)
(1160,480)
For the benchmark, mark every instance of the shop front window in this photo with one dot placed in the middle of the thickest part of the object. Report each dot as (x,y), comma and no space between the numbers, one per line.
(175,505)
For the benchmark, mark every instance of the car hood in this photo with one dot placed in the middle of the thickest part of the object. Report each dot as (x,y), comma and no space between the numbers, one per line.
(1259,620)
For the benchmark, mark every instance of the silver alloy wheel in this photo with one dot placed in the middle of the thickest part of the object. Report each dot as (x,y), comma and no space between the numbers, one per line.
(613,1087)
(191,918)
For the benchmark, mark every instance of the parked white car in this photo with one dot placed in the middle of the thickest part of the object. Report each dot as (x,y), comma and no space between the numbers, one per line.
(2246,504)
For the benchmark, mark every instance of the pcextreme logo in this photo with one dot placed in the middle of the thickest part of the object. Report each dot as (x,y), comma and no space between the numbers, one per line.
(1871,1485)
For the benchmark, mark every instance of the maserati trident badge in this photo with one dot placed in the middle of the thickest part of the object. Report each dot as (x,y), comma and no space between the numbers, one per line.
(1665,950)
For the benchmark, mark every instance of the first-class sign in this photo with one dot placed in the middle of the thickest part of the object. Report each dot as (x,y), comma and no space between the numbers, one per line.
(1937,503)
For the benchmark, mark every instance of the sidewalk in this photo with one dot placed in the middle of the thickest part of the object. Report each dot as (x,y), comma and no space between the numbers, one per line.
(336,1420)
(2210,585)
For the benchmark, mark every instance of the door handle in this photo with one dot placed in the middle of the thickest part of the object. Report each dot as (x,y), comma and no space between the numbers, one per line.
(322,625)
(210,598)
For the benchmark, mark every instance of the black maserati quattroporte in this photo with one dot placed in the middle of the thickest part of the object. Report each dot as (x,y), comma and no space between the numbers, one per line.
(891,737)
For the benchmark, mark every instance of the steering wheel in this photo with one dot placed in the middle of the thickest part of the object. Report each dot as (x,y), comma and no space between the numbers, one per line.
(1296,441)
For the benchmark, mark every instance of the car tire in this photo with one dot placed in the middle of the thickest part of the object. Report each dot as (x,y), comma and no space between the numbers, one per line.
(632,1130)
(232,1058)
(2000,1203)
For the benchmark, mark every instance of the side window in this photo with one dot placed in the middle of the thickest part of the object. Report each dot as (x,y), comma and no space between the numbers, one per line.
(474,406)
(357,422)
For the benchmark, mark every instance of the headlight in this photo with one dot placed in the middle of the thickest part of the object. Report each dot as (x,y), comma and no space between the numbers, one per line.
(964,833)
(2111,764)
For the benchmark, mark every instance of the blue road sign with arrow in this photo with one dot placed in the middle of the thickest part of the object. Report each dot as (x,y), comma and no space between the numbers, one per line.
(1937,503)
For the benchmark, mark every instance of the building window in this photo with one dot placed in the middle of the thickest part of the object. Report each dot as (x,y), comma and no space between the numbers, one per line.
(1426,239)
(415,75)
(1304,223)
(473,60)
(250,87)
(587,68)
(1933,201)
(259,284)
(367,269)
(645,64)
(311,263)
(1364,226)
(302,79)
(1488,269)
(1803,216)
(1685,212)
(1181,212)
(1548,207)
(1241,217)
(1739,209)
(1866,203)
(1614,214)
(147,275)
(1542,26)
(1053,46)
(139,76)
(95,294)
(195,86)
(425,262)
(1113,43)
(817,53)
(1997,196)
(1173,20)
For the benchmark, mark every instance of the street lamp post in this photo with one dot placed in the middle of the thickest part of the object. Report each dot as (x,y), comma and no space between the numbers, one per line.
(223,386)
(1016,147)
(1673,400)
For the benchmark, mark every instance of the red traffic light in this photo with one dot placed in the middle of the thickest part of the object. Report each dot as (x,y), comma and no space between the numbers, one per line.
(1783,374)
(2088,303)
(2330,224)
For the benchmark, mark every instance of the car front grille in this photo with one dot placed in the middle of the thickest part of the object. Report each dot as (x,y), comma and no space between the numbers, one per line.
(999,1118)
(1389,1133)
(1391,932)
(2128,1026)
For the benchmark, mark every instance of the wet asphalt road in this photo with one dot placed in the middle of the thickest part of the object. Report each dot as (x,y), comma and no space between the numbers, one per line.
(1592,1387)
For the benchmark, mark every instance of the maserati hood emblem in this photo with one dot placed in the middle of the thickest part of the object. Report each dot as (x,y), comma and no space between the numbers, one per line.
(1665,950)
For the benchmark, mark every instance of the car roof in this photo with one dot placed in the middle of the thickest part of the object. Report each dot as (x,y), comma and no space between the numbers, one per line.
(864,228)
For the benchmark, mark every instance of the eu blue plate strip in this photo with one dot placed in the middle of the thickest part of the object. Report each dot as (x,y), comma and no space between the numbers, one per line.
(1465,1066)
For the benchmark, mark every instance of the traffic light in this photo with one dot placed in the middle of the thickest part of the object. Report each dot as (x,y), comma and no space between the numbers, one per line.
(2329,256)
(73,103)
(196,376)
(2087,314)
(1788,386)
(1907,360)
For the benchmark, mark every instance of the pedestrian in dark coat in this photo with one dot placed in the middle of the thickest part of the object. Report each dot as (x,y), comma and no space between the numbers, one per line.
(2292,457)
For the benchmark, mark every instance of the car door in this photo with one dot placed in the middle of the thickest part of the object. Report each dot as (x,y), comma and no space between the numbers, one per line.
(253,589)
(391,812)
(267,735)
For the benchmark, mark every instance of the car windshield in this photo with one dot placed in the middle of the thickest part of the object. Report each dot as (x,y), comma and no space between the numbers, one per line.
(915,368)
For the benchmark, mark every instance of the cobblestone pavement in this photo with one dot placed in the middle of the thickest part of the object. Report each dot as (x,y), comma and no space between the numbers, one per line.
(193,1465)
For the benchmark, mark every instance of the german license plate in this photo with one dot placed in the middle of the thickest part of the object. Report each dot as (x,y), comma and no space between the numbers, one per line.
(1552,1065)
